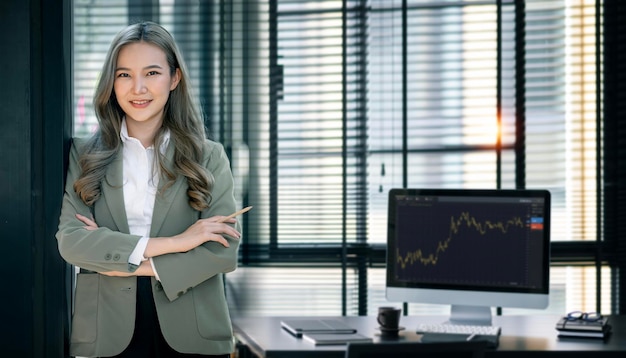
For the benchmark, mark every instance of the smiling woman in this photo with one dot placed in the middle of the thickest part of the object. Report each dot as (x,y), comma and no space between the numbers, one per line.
(146,212)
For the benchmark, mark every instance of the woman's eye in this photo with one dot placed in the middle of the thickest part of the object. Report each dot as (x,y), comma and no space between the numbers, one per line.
(152,73)
(122,74)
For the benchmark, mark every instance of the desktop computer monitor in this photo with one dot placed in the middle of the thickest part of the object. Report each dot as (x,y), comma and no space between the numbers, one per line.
(472,249)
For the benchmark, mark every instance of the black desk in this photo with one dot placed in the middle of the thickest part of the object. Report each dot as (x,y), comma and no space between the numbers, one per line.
(521,335)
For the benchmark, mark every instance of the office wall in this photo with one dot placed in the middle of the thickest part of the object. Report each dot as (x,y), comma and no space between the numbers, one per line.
(34,129)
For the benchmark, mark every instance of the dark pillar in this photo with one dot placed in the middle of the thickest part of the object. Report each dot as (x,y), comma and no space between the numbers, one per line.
(614,154)
(35,127)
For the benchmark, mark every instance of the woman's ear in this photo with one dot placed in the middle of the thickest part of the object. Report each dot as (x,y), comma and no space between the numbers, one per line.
(175,79)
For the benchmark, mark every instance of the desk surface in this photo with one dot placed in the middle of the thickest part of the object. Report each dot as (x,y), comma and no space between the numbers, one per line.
(265,337)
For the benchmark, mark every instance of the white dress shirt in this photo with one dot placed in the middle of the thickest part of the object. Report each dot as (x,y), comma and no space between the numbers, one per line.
(141,181)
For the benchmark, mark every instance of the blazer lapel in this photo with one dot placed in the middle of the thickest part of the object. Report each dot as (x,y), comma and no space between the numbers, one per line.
(113,191)
(164,200)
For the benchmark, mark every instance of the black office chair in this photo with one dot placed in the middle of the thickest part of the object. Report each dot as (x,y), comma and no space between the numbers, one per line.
(472,349)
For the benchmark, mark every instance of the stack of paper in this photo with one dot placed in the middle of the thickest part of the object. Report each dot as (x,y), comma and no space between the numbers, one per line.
(581,328)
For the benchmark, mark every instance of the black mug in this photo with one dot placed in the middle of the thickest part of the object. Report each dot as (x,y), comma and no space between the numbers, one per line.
(389,317)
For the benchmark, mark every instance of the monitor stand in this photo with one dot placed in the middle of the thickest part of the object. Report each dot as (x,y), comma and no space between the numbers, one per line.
(470,315)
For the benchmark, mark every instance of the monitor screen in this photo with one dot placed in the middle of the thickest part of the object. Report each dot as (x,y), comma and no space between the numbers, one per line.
(472,249)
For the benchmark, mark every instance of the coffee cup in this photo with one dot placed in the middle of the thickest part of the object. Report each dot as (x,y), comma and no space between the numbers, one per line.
(389,317)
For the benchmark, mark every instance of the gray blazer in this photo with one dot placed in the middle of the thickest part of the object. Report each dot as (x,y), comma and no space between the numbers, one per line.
(189,297)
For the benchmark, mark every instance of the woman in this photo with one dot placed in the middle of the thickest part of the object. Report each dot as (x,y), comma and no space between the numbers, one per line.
(144,212)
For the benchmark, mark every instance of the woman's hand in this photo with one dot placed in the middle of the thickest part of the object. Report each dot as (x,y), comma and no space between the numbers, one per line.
(203,230)
(89,223)
(209,229)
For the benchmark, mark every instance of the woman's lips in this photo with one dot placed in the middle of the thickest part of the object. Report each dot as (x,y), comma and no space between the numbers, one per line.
(140,103)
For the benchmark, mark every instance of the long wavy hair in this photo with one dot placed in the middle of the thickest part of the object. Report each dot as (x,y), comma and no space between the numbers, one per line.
(182,116)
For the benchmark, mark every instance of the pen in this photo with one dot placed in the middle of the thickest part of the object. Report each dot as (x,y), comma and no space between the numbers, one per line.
(471,336)
(236,213)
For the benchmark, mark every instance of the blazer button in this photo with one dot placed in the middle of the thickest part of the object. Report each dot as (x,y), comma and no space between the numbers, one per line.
(107,257)
(116,257)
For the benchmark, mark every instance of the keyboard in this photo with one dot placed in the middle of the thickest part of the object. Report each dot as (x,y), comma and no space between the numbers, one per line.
(445,332)
(458,329)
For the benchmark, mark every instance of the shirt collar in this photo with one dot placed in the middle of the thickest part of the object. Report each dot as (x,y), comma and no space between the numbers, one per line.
(125,137)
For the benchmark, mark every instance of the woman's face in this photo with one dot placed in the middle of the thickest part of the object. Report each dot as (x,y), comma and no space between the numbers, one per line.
(143,82)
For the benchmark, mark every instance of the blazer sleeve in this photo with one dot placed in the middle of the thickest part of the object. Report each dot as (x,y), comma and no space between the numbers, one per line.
(100,250)
(180,272)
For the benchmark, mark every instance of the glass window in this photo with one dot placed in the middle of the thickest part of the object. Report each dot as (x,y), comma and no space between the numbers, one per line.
(323,106)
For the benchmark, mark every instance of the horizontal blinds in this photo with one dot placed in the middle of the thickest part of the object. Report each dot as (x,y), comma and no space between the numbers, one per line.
(582,119)
(320,144)
(95,25)
(448,100)
(546,156)
(292,291)
(561,112)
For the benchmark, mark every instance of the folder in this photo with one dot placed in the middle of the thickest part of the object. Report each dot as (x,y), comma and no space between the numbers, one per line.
(298,327)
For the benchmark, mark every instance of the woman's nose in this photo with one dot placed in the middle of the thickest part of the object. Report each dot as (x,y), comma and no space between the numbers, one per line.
(139,86)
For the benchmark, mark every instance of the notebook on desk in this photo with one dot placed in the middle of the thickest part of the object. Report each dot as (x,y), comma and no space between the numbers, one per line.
(326,339)
(298,327)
